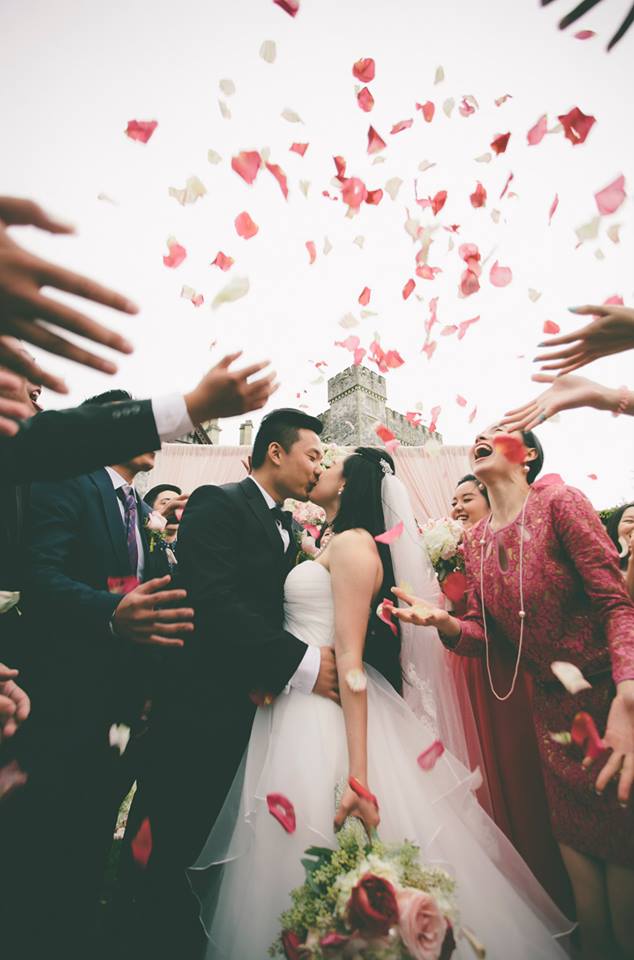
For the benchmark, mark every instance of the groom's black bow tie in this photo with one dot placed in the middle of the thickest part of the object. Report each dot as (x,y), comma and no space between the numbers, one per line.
(284,517)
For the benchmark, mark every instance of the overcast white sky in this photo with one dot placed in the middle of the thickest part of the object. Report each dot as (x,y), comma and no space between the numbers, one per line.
(73,73)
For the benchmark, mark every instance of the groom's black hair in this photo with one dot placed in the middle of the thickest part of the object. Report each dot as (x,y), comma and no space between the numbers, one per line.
(281,426)
(361,506)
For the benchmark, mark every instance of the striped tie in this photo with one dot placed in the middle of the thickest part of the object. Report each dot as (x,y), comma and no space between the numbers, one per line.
(126,494)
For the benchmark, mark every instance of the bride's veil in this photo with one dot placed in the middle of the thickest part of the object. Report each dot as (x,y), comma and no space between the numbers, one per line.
(430,686)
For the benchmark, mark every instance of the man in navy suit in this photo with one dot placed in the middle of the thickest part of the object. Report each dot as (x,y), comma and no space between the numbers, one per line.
(82,634)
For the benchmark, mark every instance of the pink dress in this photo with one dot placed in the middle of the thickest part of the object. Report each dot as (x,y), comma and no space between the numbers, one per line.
(577,610)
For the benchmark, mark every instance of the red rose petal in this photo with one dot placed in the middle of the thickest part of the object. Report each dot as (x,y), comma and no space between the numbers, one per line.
(435,413)
(364,296)
(280,176)
(375,142)
(479,196)
(584,34)
(408,288)
(282,809)
(340,165)
(584,734)
(365,100)
(225,263)
(357,787)
(245,227)
(374,197)
(510,447)
(299,148)
(469,283)
(611,197)
(426,272)
(391,535)
(506,185)
(454,586)
(289,6)
(592,476)
(577,125)
(428,758)
(363,70)
(401,125)
(615,299)
(312,252)
(413,417)
(461,401)
(176,255)
(383,433)
(500,276)
(427,109)
(247,165)
(141,846)
(500,143)
(439,201)
(551,327)
(141,130)
(122,585)
(538,131)
(353,192)
(553,207)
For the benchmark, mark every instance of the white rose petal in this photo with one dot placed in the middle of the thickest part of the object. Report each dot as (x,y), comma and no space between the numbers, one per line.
(570,676)
(118,736)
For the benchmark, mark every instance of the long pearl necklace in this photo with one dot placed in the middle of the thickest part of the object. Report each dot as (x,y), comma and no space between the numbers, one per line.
(521,614)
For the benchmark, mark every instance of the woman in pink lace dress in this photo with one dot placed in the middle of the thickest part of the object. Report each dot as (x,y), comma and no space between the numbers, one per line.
(544,581)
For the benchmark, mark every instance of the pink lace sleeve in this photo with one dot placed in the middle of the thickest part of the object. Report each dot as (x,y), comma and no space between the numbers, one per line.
(470,643)
(594,557)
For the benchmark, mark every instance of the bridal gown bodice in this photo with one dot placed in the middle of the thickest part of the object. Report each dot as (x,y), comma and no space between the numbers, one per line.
(298,749)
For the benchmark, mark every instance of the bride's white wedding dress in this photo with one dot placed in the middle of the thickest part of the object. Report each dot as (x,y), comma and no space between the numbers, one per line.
(298,748)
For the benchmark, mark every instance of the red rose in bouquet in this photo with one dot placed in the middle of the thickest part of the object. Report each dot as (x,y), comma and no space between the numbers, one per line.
(373,908)
(291,944)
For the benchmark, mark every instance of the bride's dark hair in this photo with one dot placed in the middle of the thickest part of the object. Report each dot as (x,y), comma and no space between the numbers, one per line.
(361,507)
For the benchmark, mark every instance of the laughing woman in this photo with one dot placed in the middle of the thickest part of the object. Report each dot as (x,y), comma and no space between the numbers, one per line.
(544,579)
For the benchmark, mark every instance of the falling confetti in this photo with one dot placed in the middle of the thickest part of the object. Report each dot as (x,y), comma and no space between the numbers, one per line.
(408,288)
(551,327)
(247,164)
(141,845)
(280,176)
(213,157)
(141,130)
(364,296)
(427,109)
(401,125)
(479,196)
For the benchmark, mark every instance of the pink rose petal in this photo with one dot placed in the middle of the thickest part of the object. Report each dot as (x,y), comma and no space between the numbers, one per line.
(384,613)
(506,185)
(472,415)
(553,207)
(245,227)
(365,100)
(280,176)
(408,289)
(469,283)
(461,401)
(611,197)
(577,125)
(299,148)
(428,109)
(464,326)
(122,585)
(312,251)
(375,142)
(429,348)
(176,255)
(435,413)
(401,125)
(500,143)
(364,297)
(510,447)
(584,34)
(479,196)
(428,758)
(353,192)
(500,276)
(391,535)
(141,130)
(364,69)
(537,132)
(247,165)
(225,263)
(584,734)
(551,327)
(615,299)
(282,809)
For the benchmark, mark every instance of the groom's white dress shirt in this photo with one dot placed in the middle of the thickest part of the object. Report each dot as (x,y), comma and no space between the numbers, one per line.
(305,677)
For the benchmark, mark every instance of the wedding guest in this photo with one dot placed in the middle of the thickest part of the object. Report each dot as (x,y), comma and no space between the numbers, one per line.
(81,621)
(513,787)
(158,498)
(610,331)
(620,528)
(544,578)
(568,392)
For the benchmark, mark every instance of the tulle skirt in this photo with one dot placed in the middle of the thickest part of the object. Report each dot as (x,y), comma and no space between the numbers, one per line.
(249,865)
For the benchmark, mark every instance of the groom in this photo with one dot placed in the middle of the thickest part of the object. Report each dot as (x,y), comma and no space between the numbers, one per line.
(236,548)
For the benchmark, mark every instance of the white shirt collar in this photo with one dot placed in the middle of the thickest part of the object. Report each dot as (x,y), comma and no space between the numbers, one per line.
(268,499)
(117,480)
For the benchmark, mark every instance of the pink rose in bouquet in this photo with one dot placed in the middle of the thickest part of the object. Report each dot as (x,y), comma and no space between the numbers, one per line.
(422,926)
(156,522)
(373,908)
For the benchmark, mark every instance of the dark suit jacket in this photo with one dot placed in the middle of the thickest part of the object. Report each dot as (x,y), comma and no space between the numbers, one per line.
(75,541)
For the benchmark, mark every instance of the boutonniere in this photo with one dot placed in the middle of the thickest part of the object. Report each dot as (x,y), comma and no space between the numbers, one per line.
(155,526)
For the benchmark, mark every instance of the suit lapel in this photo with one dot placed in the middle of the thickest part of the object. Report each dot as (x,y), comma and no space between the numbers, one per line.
(258,506)
(112,515)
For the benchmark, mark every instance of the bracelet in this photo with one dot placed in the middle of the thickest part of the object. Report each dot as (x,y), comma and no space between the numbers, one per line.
(624,400)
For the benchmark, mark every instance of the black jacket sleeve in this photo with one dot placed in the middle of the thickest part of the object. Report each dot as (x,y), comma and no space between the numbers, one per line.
(65,443)
(228,628)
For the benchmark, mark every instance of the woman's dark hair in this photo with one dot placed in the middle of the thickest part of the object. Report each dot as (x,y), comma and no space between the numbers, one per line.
(362,507)
(534,466)
(470,478)
(612,527)
(151,495)
(110,396)
(281,426)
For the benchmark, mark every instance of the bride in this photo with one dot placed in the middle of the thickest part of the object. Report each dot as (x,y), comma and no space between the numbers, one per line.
(305,746)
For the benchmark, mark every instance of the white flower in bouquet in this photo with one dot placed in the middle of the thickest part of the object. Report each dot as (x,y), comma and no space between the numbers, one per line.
(441,538)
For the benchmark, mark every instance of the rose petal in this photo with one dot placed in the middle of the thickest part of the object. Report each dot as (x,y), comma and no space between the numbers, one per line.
(454,586)
(615,299)
(356,680)
(393,186)
(553,207)
(312,251)
(141,846)
(365,100)
(464,326)
(247,165)
(361,791)
(384,433)
(408,288)
(353,192)
(375,142)
(577,125)
(500,276)
(119,736)
(439,76)
(479,196)
(213,157)
(140,130)
(374,197)
(435,413)
(122,585)
(551,327)
(401,125)
(268,51)
(469,283)
(570,676)
(227,86)
(232,291)
(506,185)
(188,293)
(448,106)
(364,70)
(288,6)
(538,131)
(500,100)
(391,535)
(429,348)
(225,263)
(176,254)
(472,415)
(584,734)
(584,34)
(359,354)
(500,143)
(592,476)
(260,698)
(611,197)
(291,116)
(534,295)
(245,227)
(282,809)
(364,296)
(467,106)
(461,401)
(510,447)
(280,176)
(427,109)
(224,110)
(428,758)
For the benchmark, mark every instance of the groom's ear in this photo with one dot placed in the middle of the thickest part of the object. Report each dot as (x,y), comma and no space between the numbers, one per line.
(274,452)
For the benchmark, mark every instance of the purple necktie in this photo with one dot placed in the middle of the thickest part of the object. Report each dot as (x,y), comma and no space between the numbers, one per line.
(126,494)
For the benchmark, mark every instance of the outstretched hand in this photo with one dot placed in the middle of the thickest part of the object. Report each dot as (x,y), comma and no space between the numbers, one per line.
(226,393)
(421,614)
(9,408)
(619,735)
(610,331)
(565,393)
(15,705)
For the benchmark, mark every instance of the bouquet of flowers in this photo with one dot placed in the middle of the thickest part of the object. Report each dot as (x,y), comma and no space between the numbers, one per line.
(441,539)
(369,901)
